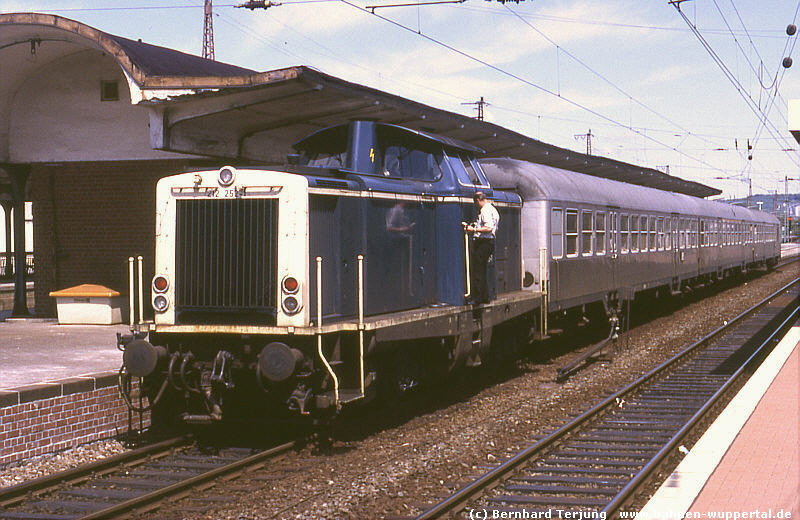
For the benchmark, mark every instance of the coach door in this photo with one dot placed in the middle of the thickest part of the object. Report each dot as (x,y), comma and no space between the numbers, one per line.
(677,247)
(613,245)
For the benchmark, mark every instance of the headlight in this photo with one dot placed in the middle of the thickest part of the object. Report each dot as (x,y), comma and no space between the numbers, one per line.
(160,283)
(226,176)
(291,305)
(160,303)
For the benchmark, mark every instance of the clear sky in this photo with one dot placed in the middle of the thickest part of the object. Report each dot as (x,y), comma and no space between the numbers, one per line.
(631,71)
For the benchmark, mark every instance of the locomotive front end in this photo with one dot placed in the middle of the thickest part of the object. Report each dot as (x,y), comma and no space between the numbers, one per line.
(229,291)
(231,249)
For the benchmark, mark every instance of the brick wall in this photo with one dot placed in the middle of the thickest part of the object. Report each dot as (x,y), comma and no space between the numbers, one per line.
(89,217)
(49,417)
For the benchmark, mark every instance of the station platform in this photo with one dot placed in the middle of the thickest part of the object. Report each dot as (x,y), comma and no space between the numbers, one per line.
(790,249)
(34,351)
(747,465)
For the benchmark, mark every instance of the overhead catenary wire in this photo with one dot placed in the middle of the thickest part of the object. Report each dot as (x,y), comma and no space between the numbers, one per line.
(605,79)
(778,78)
(751,104)
(530,83)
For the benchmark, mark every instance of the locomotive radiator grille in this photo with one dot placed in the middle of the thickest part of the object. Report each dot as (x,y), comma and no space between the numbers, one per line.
(226,256)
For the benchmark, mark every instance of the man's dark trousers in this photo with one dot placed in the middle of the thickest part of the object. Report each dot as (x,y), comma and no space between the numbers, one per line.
(484,248)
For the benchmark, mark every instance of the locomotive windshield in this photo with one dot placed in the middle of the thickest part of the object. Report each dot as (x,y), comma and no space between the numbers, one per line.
(407,156)
(324,149)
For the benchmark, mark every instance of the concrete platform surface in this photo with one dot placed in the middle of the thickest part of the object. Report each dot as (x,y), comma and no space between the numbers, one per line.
(36,351)
(747,464)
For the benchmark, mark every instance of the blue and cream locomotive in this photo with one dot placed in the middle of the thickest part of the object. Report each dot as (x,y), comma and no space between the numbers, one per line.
(303,288)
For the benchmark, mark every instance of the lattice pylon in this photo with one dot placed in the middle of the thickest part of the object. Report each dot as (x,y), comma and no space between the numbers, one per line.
(208,31)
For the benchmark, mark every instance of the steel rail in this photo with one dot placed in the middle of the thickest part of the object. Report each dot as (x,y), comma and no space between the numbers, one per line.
(500,473)
(136,503)
(14,494)
(641,477)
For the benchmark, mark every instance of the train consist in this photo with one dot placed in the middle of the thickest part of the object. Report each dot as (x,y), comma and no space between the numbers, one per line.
(296,291)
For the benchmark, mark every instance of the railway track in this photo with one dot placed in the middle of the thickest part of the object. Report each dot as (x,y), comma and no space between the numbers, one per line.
(129,483)
(597,463)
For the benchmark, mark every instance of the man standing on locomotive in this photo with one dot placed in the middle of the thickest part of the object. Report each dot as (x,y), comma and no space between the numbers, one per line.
(485,229)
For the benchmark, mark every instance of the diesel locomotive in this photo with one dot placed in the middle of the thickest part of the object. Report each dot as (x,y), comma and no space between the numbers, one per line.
(295,291)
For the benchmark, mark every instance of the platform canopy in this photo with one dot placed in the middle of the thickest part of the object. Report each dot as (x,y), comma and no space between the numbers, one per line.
(205,108)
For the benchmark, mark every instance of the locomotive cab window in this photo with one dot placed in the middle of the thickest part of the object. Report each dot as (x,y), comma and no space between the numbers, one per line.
(408,158)
(557,232)
(467,170)
(325,149)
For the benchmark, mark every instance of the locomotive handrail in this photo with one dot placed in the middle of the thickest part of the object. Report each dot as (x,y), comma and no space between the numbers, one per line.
(139,261)
(131,289)
(321,354)
(466,263)
(361,320)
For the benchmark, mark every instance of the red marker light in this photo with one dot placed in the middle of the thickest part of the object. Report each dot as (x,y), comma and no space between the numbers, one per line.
(160,283)
(290,284)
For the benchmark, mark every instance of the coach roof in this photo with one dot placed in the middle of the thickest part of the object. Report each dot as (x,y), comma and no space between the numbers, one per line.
(540,182)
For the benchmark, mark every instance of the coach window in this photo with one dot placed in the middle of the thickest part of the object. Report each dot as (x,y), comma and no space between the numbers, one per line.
(643,234)
(660,233)
(613,232)
(572,232)
(703,242)
(634,233)
(557,232)
(586,233)
(652,228)
(624,239)
(600,232)
(668,237)
(686,226)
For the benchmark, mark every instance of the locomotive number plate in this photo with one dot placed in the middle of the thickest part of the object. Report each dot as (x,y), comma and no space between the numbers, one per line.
(226,193)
